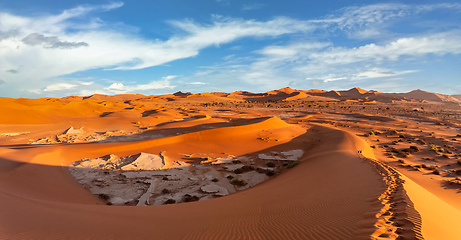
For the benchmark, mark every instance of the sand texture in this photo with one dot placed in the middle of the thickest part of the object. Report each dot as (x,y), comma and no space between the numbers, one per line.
(286,164)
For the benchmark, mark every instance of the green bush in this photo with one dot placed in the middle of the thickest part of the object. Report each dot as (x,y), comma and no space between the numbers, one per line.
(292,165)
(238,182)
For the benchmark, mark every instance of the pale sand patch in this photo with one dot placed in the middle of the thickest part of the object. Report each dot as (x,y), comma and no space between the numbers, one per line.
(215,190)
(145,161)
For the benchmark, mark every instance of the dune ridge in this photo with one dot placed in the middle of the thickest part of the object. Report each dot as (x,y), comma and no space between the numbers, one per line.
(398,209)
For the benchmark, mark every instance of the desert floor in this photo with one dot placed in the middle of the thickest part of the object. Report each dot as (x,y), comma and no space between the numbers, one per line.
(229,166)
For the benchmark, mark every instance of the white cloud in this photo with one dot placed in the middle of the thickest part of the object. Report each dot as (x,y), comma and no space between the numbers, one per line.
(56,87)
(224,30)
(439,43)
(372,21)
(116,87)
(59,87)
(380,73)
(85,83)
(119,88)
(332,79)
(197,83)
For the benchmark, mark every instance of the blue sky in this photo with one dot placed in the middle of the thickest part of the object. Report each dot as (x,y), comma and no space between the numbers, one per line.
(62,48)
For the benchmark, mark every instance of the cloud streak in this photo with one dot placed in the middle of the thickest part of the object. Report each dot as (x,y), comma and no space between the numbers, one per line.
(119,88)
(59,87)
(50,42)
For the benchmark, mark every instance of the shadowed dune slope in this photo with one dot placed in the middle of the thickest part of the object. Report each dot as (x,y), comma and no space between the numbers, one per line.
(331,194)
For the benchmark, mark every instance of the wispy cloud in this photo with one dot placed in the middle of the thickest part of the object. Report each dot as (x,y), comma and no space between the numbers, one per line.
(372,21)
(379,73)
(119,88)
(439,43)
(59,87)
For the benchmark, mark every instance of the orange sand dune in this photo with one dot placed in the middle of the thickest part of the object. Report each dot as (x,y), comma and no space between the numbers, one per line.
(299,204)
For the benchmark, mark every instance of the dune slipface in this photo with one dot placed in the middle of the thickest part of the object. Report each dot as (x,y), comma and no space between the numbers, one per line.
(274,165)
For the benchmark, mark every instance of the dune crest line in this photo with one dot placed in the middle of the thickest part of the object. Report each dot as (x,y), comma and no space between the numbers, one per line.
(397,217)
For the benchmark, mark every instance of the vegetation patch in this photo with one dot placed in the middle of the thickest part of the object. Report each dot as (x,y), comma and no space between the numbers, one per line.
(238,182)
(436,149)
(292,165)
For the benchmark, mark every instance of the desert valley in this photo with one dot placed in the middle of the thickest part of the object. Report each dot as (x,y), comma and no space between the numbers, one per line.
(285,164)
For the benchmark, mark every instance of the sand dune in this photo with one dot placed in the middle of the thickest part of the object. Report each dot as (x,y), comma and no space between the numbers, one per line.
(348,168)
(333,208)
